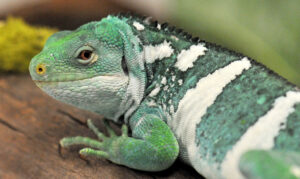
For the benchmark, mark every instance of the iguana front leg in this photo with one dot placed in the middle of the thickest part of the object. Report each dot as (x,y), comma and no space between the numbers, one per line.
(152,146)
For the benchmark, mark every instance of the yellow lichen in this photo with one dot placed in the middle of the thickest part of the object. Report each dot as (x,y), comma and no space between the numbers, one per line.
(19,42)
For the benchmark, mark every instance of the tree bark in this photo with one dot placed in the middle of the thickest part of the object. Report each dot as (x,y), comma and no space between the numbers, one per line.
(32,123)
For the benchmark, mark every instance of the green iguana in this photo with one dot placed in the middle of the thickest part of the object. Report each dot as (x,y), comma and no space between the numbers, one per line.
(218,111)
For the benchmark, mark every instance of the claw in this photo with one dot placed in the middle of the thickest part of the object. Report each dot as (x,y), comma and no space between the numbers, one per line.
(83,157)
(59,150)
(62,143)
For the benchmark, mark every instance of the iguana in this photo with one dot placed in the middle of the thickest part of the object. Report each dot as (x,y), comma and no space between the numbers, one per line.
(223,113)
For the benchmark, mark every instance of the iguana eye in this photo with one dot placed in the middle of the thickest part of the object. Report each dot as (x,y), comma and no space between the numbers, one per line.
(85,55)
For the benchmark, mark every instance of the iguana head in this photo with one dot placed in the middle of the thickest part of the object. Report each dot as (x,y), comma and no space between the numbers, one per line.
(98,67)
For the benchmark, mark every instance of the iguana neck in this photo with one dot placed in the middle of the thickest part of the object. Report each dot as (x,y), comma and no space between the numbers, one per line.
(161,45)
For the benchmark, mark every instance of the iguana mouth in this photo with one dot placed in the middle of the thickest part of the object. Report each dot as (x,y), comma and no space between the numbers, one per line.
(78,82)
(70,78)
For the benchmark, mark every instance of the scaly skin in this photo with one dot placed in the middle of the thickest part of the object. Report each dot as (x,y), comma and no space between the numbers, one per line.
(217,110)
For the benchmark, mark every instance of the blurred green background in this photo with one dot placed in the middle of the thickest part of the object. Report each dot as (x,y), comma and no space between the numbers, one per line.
(267,31)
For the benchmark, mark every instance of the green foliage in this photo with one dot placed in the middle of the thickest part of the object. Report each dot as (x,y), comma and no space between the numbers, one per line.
(267,31)
(19,42)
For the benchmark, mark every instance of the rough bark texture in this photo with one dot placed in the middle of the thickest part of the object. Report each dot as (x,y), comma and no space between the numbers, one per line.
(31,124)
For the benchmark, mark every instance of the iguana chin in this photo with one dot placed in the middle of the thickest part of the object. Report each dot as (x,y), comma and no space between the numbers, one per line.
(218,111)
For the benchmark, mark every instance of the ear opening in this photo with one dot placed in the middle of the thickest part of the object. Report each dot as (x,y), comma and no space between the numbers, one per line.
(124,65)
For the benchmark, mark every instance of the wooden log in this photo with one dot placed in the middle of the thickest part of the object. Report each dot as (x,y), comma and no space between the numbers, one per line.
(31,124)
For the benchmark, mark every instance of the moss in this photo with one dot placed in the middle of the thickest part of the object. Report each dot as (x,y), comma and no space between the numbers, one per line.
(19,42)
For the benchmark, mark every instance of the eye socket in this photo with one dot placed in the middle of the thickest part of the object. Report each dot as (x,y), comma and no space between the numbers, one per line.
(85,54)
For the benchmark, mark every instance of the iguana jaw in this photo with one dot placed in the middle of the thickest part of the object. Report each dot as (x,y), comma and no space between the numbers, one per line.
(57,83)
(100,94)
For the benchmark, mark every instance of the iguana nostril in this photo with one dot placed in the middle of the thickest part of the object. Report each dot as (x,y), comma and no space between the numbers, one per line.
(40,69)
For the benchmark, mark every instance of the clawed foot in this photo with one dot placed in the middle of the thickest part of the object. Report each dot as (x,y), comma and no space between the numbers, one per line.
(105,148)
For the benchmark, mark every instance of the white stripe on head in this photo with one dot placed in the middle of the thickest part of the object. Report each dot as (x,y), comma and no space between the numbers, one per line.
(194,104)
(262,134)
(180,81)
(164,80)
(158,26)
(173,78)
(174,37)
(138,25)
(186,58)
(156,52)
(155,91)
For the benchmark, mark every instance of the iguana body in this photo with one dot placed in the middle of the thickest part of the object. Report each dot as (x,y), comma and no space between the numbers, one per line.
(219,111)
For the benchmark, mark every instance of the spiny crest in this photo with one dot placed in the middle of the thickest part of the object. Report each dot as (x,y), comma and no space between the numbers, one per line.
(146,20)
(171,30)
